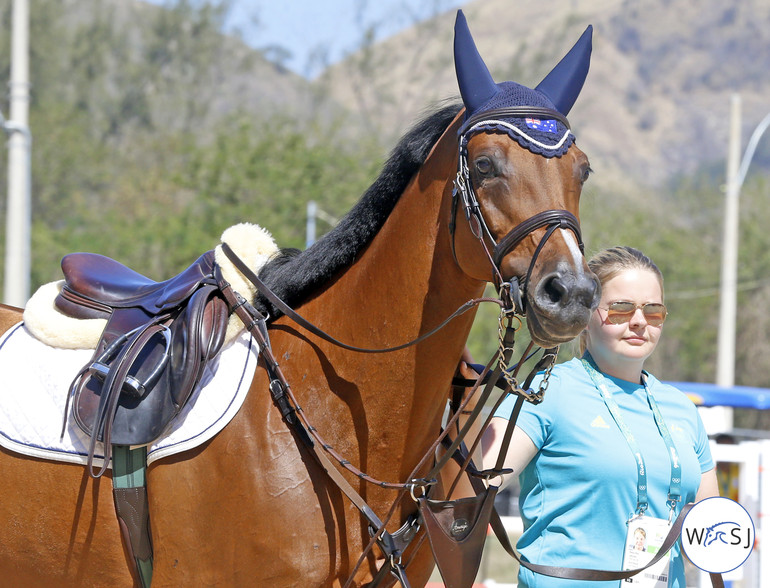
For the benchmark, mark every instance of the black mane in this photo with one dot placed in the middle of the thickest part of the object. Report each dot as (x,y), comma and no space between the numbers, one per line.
(294,275)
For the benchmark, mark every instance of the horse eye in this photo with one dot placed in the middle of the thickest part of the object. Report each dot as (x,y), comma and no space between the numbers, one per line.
(484,166)
(586,173)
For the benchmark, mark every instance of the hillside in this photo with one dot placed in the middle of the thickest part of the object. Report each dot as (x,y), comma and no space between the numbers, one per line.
(656,102)
(655,105)
(170,67)
(152,132)
(653,118)
(193,75)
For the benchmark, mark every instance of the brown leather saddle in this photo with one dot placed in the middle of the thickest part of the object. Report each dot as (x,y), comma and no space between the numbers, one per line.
(153,351)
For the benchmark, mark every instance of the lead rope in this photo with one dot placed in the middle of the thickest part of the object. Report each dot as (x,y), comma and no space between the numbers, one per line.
(497,524)
(554,571)
(592,574)
(508,383)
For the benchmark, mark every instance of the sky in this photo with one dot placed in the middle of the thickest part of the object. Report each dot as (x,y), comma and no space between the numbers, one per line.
(323,31)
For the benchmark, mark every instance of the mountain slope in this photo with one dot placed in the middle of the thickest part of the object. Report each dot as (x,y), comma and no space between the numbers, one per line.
(656,102)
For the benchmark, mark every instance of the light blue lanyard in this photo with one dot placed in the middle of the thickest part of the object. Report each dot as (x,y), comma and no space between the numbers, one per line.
(675,486)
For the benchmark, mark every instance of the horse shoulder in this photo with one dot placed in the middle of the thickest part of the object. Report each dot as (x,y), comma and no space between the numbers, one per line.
(9,316)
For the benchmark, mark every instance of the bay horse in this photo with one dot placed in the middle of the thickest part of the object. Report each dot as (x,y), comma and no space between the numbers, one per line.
(252,507)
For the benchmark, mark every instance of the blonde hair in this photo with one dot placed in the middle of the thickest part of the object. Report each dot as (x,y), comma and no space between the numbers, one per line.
(609,263)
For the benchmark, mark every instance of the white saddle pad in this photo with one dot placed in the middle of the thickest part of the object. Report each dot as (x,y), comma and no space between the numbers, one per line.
(36,379)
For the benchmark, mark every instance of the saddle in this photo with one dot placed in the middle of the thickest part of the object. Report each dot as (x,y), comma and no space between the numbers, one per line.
(153,350)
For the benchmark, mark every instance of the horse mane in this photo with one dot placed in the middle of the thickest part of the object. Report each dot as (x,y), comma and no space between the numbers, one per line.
(295,275)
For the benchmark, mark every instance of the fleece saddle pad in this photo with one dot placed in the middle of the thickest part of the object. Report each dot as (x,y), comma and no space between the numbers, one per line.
(36,380)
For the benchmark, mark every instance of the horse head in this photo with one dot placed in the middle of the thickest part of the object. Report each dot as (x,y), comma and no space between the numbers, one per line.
(519,181)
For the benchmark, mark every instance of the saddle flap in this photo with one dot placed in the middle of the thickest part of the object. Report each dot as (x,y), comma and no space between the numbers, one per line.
(197,338)
(457,531)
(157,373)
(142,369)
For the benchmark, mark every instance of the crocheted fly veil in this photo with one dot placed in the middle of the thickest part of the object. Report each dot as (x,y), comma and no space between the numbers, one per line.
(536,119)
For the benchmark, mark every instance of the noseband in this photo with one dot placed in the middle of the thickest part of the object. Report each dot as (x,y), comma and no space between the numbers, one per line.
(551,219)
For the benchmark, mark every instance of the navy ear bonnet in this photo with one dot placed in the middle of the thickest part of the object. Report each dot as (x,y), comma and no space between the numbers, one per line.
(543,134)
(536,119)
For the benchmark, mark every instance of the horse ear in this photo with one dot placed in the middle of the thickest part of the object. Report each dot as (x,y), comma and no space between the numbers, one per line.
(473,77)
(565,81)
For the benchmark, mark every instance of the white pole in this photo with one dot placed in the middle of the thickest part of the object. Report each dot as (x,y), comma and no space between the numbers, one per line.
(729,275)
(17,248)
(729,279)
(312,212)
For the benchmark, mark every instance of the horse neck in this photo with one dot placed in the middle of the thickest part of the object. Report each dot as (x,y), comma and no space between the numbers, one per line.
(404,284)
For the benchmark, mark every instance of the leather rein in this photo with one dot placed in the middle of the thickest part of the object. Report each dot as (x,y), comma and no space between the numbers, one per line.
(511,302)
(392,544)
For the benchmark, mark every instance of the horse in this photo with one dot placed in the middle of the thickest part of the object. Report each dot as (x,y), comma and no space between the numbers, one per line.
(252,506)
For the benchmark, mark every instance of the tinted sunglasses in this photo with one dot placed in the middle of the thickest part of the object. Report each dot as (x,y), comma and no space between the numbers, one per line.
(621,312)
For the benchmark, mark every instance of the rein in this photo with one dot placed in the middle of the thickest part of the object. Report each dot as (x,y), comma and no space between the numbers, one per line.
(392,544)
(300,320)
(256,323)
(511,297)
(512,307)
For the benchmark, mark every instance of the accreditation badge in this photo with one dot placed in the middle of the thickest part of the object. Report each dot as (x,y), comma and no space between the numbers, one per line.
(644,539)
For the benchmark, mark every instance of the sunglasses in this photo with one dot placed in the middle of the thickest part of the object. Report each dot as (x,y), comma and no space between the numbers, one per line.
(622,312)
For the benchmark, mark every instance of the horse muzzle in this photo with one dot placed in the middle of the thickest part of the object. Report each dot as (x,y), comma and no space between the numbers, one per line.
(560,305)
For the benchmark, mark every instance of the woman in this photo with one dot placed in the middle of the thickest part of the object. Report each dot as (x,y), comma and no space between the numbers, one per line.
(594,458)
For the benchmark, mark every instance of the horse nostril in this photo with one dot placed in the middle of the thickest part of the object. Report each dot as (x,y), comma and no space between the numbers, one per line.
(594,292)
(564,290)
(555,290)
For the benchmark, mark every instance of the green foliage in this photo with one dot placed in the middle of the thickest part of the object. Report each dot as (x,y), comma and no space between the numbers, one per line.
(121,164)
(267,172)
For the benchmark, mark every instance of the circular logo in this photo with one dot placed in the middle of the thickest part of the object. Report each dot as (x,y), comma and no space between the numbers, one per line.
(717,535)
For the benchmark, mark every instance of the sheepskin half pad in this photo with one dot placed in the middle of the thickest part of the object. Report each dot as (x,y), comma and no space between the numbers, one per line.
(251,243)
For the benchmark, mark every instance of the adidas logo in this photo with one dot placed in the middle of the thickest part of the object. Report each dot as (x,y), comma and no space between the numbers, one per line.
(599,423)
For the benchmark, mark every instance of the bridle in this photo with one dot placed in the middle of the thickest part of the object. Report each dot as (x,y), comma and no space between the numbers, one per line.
(463,190)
